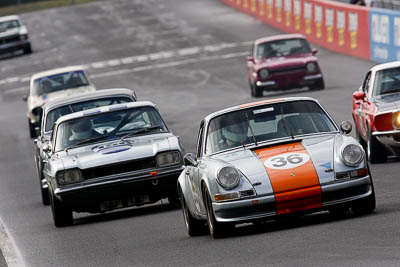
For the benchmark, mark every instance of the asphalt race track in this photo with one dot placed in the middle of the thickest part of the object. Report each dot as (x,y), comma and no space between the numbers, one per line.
(188,57)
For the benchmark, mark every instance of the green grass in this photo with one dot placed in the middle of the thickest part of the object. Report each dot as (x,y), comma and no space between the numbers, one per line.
(45,4)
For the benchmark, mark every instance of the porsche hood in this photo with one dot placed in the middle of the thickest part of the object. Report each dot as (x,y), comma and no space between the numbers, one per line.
(308,162)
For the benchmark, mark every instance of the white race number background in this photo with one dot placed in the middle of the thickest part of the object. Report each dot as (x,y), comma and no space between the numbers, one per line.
(287,161)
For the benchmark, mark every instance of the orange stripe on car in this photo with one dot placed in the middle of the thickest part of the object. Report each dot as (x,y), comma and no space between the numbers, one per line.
(262,102)
(296,186)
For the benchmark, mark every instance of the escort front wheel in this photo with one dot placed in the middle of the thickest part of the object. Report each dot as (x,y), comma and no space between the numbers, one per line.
(62,215)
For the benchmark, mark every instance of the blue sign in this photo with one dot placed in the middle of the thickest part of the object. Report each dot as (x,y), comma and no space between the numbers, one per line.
(384,35)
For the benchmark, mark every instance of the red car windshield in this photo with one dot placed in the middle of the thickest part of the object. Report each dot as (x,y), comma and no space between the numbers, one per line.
(387,81)
(280,48)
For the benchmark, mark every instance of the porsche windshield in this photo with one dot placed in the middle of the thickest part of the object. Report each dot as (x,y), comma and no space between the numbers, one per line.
(263,123)
(280,48)
(59,81)
(107,126)
(56,113)
(7,25)
(387,81)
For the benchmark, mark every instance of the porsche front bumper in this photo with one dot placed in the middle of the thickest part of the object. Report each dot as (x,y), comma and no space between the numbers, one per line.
(340,192)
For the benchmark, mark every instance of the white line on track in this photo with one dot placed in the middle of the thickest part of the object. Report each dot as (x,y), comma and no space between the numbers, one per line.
(168,64)
(190,51)
(10,251)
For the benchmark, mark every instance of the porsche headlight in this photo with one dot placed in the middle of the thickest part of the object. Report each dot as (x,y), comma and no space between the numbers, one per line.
(69,177)
(352,155)
(263,74)
(168,158)
(396,120)
(228,177)
(311,67)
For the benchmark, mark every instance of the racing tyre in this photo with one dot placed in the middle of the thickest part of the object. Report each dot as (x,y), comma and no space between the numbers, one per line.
(32,131)
(366,205)
(256,91)
(173,200)
(62,216)
(193,227)
(45,195)
(28,50)
(360,140)
(318,85)
(376,153)
(217,229)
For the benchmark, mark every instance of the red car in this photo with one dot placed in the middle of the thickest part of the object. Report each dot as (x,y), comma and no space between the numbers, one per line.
(283,62)
(376,112)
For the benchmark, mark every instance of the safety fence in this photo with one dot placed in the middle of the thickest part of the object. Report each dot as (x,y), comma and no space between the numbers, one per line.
(372,34)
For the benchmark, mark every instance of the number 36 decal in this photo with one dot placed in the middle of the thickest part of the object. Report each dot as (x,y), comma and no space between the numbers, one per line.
(287,161)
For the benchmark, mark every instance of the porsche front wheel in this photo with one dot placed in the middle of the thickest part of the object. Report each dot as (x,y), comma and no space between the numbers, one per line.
(366,205)
(193,227)
(217,229)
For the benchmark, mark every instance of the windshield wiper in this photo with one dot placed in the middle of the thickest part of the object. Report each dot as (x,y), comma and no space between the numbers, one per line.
(143,130)
(288,132)
(251,128)
(85,141)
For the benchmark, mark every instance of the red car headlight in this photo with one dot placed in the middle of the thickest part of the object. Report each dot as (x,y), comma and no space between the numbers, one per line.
(263,74)
(311,67)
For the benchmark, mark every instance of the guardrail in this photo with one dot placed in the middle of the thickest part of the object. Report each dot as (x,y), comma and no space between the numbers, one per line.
(372,34)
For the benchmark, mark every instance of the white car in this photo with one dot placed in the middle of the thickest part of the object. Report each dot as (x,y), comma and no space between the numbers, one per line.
(13,35)
(53,84)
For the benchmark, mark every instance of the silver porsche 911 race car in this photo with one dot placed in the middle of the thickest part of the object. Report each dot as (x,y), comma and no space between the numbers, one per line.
(264,159)
(111,157)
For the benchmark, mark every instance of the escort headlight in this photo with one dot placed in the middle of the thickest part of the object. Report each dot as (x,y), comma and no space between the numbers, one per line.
(396,120)
(23,37)
(263,74)
(228,177)
(311,67)
(69,177)
(168,158)
(352,155)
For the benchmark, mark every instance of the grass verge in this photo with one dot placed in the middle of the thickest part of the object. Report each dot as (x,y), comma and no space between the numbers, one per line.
(46,4)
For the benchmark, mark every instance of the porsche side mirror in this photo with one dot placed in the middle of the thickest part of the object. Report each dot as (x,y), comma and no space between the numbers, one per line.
(250,58)
(189,160)
(346,127)
(25,98)
(46,148)
(314,51)
(359,95)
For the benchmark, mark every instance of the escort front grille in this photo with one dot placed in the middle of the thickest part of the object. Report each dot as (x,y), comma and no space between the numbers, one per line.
(288,70)
(9,39)
(119,168)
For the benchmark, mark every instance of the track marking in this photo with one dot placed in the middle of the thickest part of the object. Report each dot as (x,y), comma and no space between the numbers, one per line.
(190,51)
(10,251)
(166,65)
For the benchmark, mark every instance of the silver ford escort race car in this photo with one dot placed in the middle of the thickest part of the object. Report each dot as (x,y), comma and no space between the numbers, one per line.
(111,157)
(51,111)
(264,159)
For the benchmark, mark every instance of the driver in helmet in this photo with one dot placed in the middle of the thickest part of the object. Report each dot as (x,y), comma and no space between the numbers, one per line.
(81,130)
(235,134)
